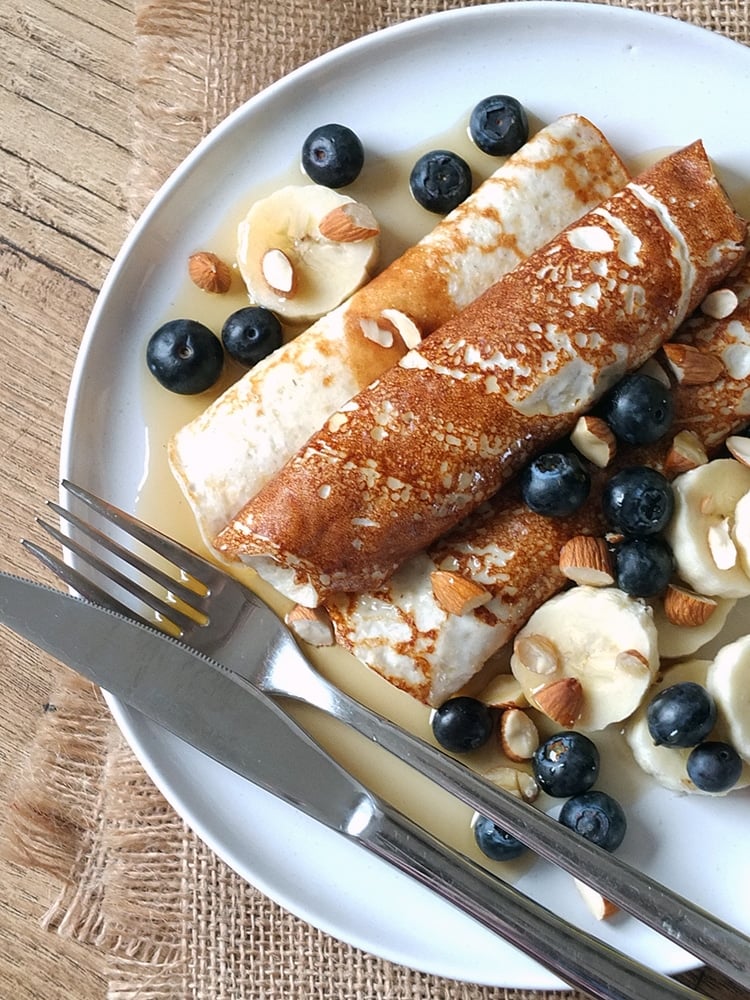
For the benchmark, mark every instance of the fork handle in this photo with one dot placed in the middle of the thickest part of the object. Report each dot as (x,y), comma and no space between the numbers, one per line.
(709,939)
(578,958)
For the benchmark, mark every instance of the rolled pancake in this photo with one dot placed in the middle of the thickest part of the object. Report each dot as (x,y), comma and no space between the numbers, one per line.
(402,632)
(224,456)
(416,451)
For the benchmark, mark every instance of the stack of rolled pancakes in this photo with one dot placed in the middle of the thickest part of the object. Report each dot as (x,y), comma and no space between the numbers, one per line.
(407,475)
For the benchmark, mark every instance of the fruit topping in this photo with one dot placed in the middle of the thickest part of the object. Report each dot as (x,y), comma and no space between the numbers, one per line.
(494,842)
(597,817)
(498,125)
(251,334)
(555,484)
(639,409)
(462,724)
(643,566)
(598,637)
(333,155)
(184,356)
(714,767)
(681,715)
(287,261)
(638,501)
(566,764)
(440,180)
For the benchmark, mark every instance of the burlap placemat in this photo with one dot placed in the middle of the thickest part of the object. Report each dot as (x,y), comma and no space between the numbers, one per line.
(174,921)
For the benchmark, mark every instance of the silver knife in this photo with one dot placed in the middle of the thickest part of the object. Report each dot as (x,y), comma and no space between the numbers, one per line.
(196,699)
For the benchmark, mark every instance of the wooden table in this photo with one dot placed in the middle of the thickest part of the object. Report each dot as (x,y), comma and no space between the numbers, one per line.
(65,115)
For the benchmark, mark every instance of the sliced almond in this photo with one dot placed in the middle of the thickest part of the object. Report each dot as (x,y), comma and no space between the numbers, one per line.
(739,448)
(587,560)
(633,662)
(405,326)
(519,737)
(457,594)
(600,907)
(691,366)
(515,781)
(654,370)
(686,608)
(278,272)
(561,700)
(312,625)
(719,304)
(502,692)
(537,653)
(209,272)
(379,332)
(350,223)
(595,440)
(685,453)
(721,545)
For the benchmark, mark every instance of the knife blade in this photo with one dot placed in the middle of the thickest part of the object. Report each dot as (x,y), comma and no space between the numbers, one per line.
(196,699)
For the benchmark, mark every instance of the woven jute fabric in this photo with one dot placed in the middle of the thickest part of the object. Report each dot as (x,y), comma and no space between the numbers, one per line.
(172,920)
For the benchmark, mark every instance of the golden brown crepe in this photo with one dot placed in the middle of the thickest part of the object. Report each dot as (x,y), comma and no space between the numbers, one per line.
(237,444)
(423,446)
(400,629)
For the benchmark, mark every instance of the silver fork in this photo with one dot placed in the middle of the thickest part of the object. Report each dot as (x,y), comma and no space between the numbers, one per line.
(212,612)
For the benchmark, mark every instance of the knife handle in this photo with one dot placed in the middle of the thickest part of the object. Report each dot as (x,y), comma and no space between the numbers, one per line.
(577,957)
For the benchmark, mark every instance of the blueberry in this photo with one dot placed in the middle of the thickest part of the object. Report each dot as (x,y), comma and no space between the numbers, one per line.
(597,817)
(498,125)
(566,764)
(714,767)
(332,155)
(440,180)
(251,334)
(184,356)
(639,409)
(494,842)
(681,715)
(643,566)
(638,501)
(462,724)
(555,484)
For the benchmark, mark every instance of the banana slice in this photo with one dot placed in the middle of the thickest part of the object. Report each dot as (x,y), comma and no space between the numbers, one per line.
(702,529)
(728,681)
(304,249)
(668,764)
(678,641)
(587,657)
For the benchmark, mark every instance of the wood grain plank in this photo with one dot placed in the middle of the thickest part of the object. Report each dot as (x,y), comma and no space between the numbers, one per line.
(65,121)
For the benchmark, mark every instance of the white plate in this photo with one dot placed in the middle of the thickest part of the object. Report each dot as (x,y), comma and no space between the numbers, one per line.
(648,82)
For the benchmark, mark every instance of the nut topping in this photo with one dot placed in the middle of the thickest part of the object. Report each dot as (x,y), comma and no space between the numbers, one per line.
(209,272)
(561,700)
(594,439)
(278,272)
(519,737)
(515,781)
(312,625)
(719,304)
(597,904)
(686,452)
(456,594)
(586,560)
(350,223)
(739,448)
(503,691)
(632,661)
(537,653)
(686,608)
(690,366)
